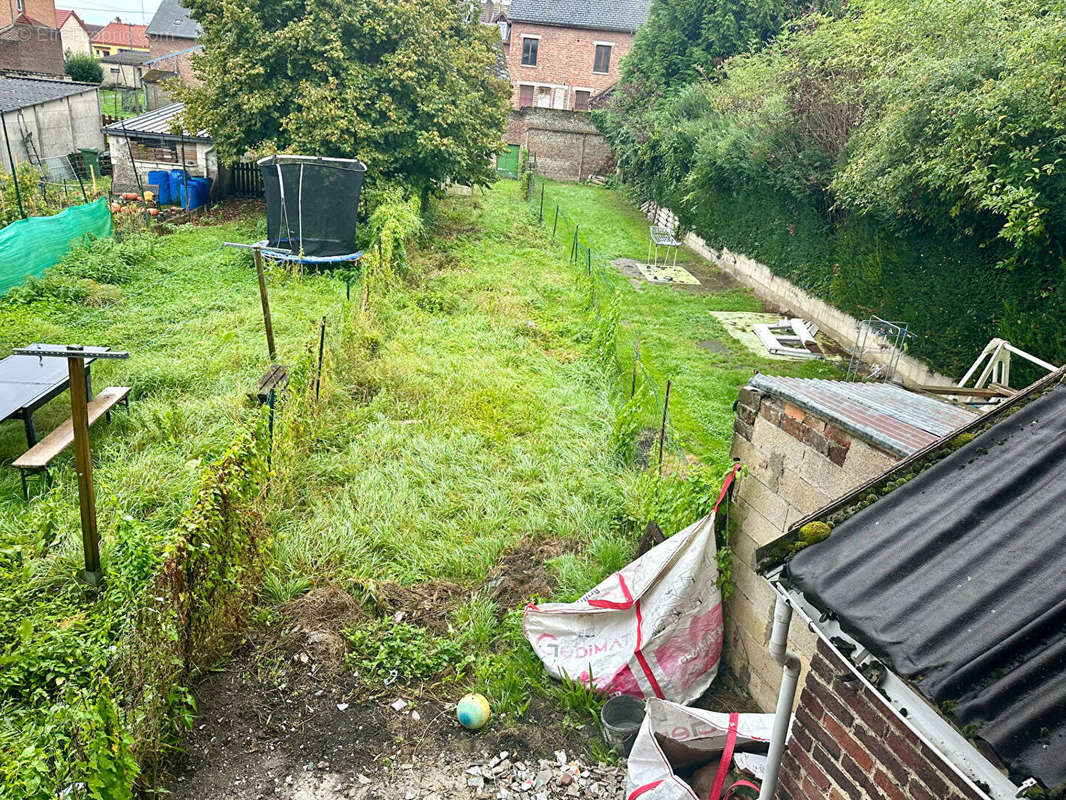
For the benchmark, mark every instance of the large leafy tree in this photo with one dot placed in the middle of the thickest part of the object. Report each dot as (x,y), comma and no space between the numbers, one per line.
(408,86)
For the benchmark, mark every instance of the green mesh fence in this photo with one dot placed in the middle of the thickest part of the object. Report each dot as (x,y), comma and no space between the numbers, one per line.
(30,246)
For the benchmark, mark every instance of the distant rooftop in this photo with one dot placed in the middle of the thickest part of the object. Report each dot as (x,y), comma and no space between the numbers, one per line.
(63,14)
(172,19)
(122,34)
(16,93)
(884,414)
(130,57)
(622,15)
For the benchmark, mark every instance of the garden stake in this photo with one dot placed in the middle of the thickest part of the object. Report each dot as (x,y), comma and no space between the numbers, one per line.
(270,428)
(555,223)
(258,256)
(321,344)
(662,430)
(588,261)
(14,172)
(573,250)
(636,361)
(540,214)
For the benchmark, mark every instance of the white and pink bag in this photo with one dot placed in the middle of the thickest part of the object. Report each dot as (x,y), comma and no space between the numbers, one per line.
(674,741)
(654,628)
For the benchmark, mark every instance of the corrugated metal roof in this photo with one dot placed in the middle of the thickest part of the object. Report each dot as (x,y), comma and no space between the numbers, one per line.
(18,93)
(957,581)
(172,19)
(884,414)
(623,15)
(154,123)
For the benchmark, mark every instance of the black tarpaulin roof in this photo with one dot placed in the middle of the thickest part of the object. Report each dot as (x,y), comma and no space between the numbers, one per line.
(957,581)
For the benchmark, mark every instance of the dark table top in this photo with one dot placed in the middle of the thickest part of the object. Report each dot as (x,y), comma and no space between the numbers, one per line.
(25,379)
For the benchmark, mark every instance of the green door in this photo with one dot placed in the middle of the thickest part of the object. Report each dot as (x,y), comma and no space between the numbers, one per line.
(507,161)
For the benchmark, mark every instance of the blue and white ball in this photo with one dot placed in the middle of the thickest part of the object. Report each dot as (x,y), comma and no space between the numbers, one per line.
(473,711)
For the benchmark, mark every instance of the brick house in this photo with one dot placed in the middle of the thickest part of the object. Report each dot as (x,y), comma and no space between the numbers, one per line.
(931,604)
(560,52)
(30,43)
(119,37)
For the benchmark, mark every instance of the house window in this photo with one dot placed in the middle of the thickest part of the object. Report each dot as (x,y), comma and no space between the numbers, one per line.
(603,59)
(525,95)
(581,100)
(529,51)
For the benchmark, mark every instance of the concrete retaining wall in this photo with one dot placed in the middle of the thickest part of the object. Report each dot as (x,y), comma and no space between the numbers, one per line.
(787,297)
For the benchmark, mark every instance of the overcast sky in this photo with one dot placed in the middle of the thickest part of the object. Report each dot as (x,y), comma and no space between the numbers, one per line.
(100,12)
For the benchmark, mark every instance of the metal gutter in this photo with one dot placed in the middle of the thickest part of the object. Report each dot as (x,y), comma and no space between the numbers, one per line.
(909,707)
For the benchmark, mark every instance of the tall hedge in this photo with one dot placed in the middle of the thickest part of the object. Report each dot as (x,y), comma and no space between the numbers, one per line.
(901,158)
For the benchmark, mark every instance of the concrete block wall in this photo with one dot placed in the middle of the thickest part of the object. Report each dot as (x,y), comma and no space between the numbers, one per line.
(787,297)
(846,744)
(797,463)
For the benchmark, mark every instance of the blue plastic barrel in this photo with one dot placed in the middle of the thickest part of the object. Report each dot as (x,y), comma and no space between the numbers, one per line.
(160,178)
(200,190)
(177,180)
(195,194)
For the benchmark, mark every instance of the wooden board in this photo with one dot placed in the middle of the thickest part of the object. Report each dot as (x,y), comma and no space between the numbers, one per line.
(41,454)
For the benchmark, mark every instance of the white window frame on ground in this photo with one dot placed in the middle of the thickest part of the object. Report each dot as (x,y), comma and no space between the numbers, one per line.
(536,50)
(595,51)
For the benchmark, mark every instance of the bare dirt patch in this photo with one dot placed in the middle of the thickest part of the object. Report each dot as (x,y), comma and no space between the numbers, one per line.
(712,280)
(522,574)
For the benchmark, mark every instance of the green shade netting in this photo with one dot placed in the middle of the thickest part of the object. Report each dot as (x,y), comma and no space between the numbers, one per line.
(30,246)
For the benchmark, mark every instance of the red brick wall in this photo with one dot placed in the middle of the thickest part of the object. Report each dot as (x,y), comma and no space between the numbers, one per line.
(32,50)
(847,745)
(565,58)
(159,46)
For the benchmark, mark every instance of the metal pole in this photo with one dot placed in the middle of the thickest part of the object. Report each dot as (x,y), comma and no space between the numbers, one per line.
(11,159)
(81,183)
(321,346)
(258,255)
(662,430)
(270,427)
(588,261)
(79,414)
(540,214)
(556,222)
(636,361)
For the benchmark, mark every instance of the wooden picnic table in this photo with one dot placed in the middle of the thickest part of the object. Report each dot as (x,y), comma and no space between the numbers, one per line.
(28,382)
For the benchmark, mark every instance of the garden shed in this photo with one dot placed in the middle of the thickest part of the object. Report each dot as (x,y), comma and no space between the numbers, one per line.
(149,142)
(937,597)
(47,118)
(807,442)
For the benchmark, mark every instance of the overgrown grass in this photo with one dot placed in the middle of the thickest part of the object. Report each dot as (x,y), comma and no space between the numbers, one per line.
(673,325)
(188,313)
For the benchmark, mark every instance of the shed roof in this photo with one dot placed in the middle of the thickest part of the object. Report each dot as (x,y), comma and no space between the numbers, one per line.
(884,414)
(155,123)
(130,57)
(956,580)
(122,34)
(172,19)
(16,93)
(622,15)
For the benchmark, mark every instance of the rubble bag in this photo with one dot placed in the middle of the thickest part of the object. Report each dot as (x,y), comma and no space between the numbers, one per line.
(654,628)
(678,748)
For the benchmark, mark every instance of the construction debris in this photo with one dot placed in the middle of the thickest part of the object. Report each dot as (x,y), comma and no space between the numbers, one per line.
(789,337)
(504,779)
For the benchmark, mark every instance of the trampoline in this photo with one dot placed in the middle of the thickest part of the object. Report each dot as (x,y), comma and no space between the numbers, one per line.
(312,204)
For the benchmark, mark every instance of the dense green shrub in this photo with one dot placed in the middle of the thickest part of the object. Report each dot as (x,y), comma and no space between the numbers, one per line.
(898,158)
(83,67)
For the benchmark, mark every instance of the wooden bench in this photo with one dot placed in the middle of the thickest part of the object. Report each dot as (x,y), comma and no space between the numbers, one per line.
(41,454)
(275,379)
